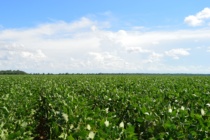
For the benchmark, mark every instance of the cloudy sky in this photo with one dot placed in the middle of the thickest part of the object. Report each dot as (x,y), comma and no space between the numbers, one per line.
(91,36)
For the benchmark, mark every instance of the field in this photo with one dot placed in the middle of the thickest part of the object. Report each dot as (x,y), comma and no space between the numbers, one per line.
(102,107)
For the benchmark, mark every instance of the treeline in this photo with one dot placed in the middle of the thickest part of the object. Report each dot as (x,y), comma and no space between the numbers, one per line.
(19,72)
(152,74)
(12,72)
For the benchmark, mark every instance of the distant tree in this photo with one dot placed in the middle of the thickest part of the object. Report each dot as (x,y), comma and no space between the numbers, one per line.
(12,72)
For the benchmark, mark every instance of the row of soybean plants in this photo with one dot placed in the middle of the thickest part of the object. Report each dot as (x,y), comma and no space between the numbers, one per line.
(17,107)
(106,107)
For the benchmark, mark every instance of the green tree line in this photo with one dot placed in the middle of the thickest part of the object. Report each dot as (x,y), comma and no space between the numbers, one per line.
(11,72)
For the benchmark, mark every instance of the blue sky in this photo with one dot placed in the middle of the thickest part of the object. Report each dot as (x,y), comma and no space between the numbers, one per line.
(105,36)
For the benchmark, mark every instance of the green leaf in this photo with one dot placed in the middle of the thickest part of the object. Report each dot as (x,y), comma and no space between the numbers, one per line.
(70,137)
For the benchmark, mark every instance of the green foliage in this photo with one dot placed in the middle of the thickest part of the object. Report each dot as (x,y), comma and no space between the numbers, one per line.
(104,107)
(12,72)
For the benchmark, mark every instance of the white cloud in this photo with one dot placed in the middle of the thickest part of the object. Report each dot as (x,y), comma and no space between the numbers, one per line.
(38,55)
(193,21)
(177,53)
(204,14)
(89,46)
(199,18)
(106,60)
(137,50)
(154,57)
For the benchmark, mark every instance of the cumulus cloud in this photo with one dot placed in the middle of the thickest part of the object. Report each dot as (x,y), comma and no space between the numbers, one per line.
(17,56)
(193,21)
(90,46)
(199,18)
(154,57)
(106,60)
(38,55)
(177,53)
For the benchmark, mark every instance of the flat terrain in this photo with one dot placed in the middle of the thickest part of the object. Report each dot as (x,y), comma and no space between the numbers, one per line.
(104,107)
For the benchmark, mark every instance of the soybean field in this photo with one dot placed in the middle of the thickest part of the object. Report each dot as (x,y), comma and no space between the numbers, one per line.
(104,107)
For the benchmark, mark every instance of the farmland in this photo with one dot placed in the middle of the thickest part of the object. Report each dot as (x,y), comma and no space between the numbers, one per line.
(104,107)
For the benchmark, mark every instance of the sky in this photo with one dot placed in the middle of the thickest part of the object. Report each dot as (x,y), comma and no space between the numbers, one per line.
(92,36)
